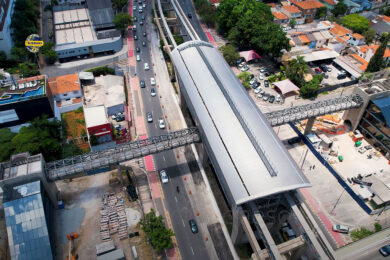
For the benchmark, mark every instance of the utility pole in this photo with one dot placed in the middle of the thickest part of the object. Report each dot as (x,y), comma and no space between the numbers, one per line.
(338,200)
(304,158)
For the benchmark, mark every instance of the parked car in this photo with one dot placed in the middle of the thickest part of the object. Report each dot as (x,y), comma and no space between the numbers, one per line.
(240,60)
(118,127)
(144,5)
(266,83)
(137,49)
(261,76)
(317,70)
(138,58)
(251,76)
(266,97)
(119,117)
(325,75)
(146,66)
(161,123)
(287,232)
(244,68)
(242,64)
(263,70)
(144,34)
(143,17)
(142,83)
(278,98)
(260,95)
(294,140)
(194,228)
(164,176)
(267,73)
(144,44)
(135,37)
(340,228)
(256,85)
(258,90)
(252,81)
(323,67)
(152,92)
(341,76)
(385,250)
(272,99)
(152,81)
(149,117)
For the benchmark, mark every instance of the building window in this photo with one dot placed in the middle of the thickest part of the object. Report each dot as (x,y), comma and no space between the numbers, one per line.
(65,94)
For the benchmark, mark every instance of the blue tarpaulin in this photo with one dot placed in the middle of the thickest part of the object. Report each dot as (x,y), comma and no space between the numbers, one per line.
(384,105)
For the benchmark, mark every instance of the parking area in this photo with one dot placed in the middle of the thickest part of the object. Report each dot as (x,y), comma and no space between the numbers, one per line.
(331,75)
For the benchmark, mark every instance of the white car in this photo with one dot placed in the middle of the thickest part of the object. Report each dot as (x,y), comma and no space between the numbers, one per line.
(261,76)
(242,64)
(252,81)
(134,7)
(244,68)
(258,90)
(340,228)
(161,123)
(152,81)
(144,5)
(146,66)
(164,176)
(153,92)
(277,98)
(138,58)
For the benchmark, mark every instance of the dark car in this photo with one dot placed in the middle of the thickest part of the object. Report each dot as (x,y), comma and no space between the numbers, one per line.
(266,83)
(194,228)
(251,76)
(189,15)
(256,85)
(135,19)
(141,23)
(323,67)
(385,250)
(142,83)
(240,60)
(272,99)
(149,117)
(137,49)
(143,17)
(267,73)
(341,76)
(294,140)
(144,34)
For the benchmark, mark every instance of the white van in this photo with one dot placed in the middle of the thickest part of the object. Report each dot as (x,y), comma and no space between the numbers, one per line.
(140,9)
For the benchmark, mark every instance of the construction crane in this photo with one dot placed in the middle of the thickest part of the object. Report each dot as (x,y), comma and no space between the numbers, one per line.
(71,237)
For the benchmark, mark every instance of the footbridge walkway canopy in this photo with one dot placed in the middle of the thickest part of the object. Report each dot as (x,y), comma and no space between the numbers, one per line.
(249,159)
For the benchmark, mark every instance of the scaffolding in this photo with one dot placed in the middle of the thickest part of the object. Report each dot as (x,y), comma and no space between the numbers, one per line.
(88,163)
(319,108)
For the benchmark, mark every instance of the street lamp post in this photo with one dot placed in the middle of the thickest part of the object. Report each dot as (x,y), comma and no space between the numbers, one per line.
(338,200)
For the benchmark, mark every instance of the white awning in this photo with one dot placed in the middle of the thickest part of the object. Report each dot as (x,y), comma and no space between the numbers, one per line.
(347,66)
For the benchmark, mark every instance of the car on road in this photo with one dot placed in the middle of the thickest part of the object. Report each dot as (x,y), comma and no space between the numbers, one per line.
(340,228)
(266,83)
(164,176)
(152,81)
(294,140)
(189,15)
(135,37)
(144,44)
(256,85)
(153,92)
(193,226)
(244,68)
(144,5)
(385,250)
(135,19)
(149,117)
(138,58)
(146,66)
(143,17)
(144,34)
(161,123)
(261,76)
(137,49)
(272,99)
(134,7)
(140,9)
(141,23)
(142,83)
(266,97)
(253,81)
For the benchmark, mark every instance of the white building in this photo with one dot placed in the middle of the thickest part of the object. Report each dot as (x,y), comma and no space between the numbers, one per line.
(6,11)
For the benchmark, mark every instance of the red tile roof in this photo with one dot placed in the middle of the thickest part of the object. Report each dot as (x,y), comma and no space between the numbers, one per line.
(291,9)
(271,4)
(279,16)
(365,48)
(213,2)
(331,2)
(64,84)
(358,36)
(304,38)
(339,30)
(310,4)
(362,61)
(386,18)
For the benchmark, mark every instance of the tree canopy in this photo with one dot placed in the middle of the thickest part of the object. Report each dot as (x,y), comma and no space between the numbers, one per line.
(369,35)
(244,78)
(206,12)
(309,89)
(230,54)
(292,23)
(154,227)
(122,21)
(356,23)
(119,4)
(296,70)
(321,12)
(376,62)
(339,9)
(249,25)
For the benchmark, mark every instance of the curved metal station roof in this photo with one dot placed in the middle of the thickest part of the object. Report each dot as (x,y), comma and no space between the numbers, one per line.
(252,161)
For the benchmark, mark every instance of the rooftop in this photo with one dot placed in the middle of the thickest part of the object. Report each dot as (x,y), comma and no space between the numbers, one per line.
(386,18)
(64,84)
(101,12)
(21,165)
(279,16)
(310,4)
(319,55)
(365,48)
(363,63)
(291,9)
(330,2)
(339,30)
(95,116)
(23,89)
(358,36)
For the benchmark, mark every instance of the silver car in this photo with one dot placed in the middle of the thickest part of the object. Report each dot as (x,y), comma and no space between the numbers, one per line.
(164,176)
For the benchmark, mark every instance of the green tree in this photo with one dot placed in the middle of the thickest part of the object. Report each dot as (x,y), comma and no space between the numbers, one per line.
(321,12)
(369,36)
(122,21)
(230,54)
(356,23)
(25,69)
(309,89)
(376,62)
(48,53)
(20,54)
(154,227)
(244,78)
(296,70)
(206,12)
(5,143)
(119,4)
(378,227)
(69,150)
(387,11)
(292,23)
(339,9)
(24,20)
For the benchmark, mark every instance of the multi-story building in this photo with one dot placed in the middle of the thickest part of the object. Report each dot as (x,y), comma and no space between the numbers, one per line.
(356,39)
(368,51)
(293,12)
(308,8)
(6,10)
(23,100)
(280,18)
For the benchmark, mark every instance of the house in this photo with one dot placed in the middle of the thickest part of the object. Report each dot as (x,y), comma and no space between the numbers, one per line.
(6,11)
(340,31)
(356,39)
(352,7)
(66,92)
(308,8)
(280,18)
(330,4)
(366,52)
(381,24)
(97,124)
(293,12)
(215,3)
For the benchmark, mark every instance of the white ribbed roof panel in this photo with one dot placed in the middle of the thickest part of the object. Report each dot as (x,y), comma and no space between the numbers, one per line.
(234,127)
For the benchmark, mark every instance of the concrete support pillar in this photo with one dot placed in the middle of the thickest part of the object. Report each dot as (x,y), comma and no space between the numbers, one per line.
(182,101)
(237,230)
(203,156)
(120,174)
(309,125)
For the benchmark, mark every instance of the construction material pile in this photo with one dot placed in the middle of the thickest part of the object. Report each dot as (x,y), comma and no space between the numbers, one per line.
(113,217)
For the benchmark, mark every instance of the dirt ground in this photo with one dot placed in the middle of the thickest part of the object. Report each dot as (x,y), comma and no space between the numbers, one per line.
(75,122)
(83,201)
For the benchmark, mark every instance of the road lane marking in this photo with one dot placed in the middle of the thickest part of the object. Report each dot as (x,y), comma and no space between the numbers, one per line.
(176,199)
(164,158)
(192,250)
(184,225)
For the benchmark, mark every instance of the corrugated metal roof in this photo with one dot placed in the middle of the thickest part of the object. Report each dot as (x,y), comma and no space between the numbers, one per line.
(251,161)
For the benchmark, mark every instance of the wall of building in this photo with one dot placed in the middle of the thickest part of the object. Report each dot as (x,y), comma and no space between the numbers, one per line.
(101,129)
(68,95)
(5,34)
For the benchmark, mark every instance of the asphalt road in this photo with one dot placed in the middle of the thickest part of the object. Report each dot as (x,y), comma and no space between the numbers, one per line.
(191,245)
(372,253)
